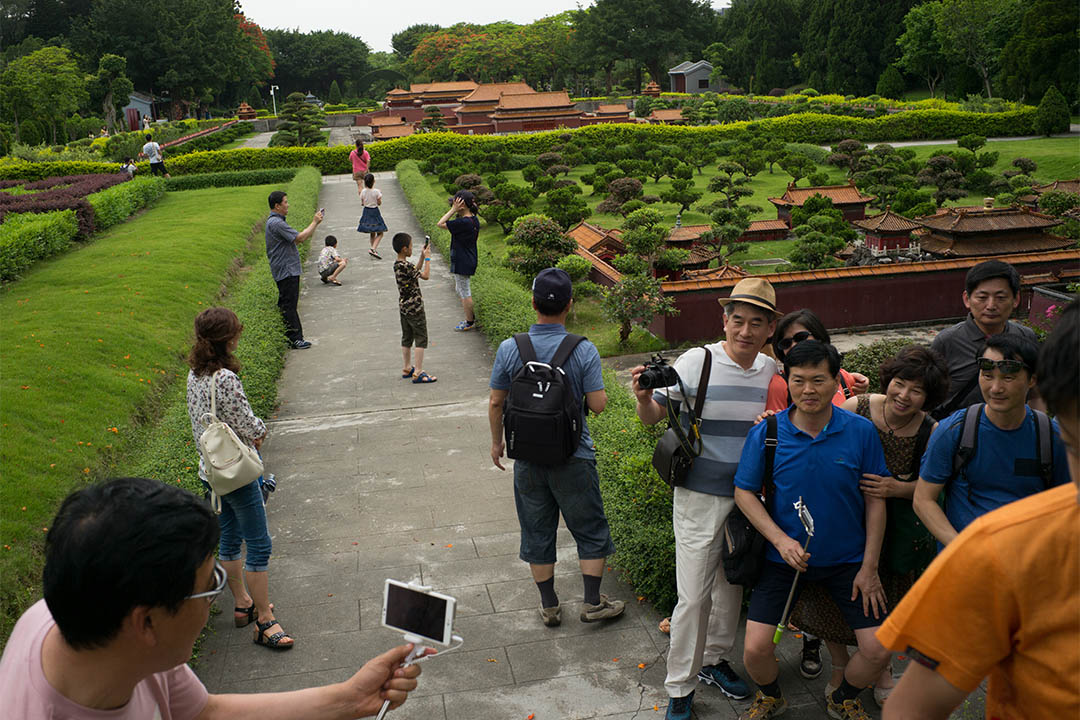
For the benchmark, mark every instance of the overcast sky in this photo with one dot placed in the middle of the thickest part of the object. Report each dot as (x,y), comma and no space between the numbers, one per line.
(375,22)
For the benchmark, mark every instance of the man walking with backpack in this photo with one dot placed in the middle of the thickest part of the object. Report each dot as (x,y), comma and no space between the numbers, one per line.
(991,454)
(541,377)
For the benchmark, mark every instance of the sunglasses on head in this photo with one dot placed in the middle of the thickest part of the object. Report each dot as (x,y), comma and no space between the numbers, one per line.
(1009,367)
(798,337)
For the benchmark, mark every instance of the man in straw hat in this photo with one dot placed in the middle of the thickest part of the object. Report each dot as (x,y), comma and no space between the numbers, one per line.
(706,617)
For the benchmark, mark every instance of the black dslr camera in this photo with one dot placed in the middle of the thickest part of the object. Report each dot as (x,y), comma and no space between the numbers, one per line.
(657,374)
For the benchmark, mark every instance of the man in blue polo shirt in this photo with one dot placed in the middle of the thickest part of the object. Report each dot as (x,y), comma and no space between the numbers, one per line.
(1005,466)
(822,454)
(281,243)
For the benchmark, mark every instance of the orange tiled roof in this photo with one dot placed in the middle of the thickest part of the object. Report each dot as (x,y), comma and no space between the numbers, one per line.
(542,100)
(725,272)
(490,92)
(386,120)
(589,236)
(394,131)
(839,194)
(887,221)
(701,254)
(968,246)
(666,115)
(604,268)
(525,113)
(981,220)
(398,91)
(439,87)
(873,270)
(687,233)
(767,226)
(1069,186)
(615,109)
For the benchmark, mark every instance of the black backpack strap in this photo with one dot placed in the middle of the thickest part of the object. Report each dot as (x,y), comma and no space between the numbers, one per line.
(525,348)
(1043,443)
(844,385)
(944,411)
(922,439)
(703,387)
(565,350)
(768,487)
(969,439)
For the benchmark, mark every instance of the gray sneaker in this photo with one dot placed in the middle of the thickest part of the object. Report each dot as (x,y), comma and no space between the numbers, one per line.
(606,610)
(551,616)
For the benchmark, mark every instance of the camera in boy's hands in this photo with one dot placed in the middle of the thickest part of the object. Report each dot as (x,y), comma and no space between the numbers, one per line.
(657,374)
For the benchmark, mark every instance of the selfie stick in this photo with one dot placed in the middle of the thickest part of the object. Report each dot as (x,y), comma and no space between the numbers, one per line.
(808,525)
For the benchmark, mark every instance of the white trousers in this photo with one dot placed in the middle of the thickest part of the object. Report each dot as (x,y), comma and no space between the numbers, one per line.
(706,617)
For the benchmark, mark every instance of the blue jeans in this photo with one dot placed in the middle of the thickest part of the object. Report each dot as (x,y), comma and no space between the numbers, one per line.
(542,491)
(243,520)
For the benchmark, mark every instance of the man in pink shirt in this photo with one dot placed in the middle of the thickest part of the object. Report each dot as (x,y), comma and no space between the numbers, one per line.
(129,578)
(360,160)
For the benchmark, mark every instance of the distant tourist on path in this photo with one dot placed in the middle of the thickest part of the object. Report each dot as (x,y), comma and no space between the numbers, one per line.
(464,231)
(411,307)
(243,513)
(129,581)
(706,617)
(1002,599)
(570,486)
(360,159)
(1006,462)
(991,295)
(372,220)
(330,262)
(152,151)
(129,167)
(281,243)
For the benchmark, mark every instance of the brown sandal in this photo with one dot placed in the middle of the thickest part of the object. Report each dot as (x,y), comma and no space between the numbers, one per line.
(275,641)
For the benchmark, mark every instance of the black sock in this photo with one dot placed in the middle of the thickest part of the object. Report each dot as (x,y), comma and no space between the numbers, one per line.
(548,598)
(771,689)
(846,691)
(592,588)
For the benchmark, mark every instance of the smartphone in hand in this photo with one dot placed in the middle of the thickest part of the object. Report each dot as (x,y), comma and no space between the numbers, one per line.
(427,241)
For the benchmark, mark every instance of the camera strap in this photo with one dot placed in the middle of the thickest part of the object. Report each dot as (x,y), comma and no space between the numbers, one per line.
(692,445)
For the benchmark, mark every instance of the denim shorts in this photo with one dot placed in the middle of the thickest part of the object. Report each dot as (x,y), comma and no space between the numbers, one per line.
(542,491)
(770,594)
(243,520)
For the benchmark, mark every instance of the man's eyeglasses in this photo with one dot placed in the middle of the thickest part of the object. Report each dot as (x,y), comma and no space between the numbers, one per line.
(798,337)
(1008,367)
(220,579)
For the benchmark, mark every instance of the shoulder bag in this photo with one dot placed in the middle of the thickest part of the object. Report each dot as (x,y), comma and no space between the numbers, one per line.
(674,454)
(743,548)
(229,463)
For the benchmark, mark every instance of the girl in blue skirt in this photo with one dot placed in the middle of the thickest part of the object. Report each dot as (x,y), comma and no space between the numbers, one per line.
(371,221)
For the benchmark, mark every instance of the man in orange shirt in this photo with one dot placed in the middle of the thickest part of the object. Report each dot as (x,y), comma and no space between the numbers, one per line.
(1003,599)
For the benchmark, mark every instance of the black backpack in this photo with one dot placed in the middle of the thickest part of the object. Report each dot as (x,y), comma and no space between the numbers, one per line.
(541,417)
(743,548)
(969,443)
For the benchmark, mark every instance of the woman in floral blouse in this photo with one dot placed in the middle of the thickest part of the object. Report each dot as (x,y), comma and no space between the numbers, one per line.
(243,515)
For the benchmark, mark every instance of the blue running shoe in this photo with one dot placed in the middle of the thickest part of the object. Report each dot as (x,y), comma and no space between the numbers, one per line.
(722,676)
(679,708)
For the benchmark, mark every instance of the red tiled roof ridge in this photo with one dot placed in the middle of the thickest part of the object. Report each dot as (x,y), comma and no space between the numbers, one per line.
(887,220)
(900,268)
(551,99)
(491,92)
(843,194)
(767,225)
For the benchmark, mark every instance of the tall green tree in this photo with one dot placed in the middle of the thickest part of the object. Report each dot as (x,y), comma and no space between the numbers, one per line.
(300,123)
(45,86)
(752,53)
(405,41)
(111,87)
(920,45)
(309,62)
(1044,52)
(976,31)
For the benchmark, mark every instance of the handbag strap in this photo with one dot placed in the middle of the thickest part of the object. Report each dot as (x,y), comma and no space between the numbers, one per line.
(703,387)
(768,485)
(213,394)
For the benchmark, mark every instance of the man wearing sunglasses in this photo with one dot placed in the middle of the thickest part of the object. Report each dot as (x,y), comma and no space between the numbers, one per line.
(129,579)
(1005,465)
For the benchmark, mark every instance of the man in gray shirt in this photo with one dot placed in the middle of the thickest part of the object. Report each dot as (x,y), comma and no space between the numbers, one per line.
(281,242)
(992,294)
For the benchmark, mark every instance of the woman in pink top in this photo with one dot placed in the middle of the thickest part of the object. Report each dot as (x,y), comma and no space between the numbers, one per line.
(360,160)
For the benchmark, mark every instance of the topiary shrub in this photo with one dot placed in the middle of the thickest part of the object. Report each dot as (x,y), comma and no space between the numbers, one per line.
(548,159)
(1052,115)
(576,267)
(468,180)
(868,359)
(537,242)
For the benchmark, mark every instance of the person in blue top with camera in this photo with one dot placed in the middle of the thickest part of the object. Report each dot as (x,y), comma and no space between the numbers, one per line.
(1002,461)
(822,455)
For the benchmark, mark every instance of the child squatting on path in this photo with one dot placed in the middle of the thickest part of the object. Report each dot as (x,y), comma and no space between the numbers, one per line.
(411,306)
(330,263)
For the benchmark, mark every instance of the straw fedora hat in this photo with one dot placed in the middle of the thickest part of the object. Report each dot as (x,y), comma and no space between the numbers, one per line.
(755,291)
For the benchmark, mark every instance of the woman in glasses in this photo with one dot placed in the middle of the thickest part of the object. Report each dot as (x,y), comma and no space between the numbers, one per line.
(791,329)
(243,514)
(914,381)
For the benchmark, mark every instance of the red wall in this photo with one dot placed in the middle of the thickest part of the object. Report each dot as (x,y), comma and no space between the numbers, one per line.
(903,298)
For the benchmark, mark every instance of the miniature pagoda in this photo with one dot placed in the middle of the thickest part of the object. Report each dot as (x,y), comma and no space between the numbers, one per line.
(969,232)
(887,231)
(845,198)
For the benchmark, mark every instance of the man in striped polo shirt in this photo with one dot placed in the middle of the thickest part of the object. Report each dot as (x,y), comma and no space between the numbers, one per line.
(706,618)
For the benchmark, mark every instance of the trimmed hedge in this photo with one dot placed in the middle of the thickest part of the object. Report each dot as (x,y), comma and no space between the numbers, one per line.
(385,155)
(26,238)
(119,202)
(234,178)
(502,304)
(637,502)
(168,452)
(867,359)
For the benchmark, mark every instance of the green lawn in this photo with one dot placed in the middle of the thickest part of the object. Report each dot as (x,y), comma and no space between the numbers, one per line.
(88,343)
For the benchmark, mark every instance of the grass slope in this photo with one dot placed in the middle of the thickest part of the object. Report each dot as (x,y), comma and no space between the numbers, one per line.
(87,340)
